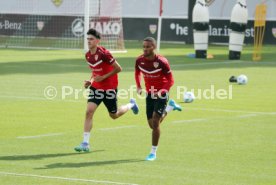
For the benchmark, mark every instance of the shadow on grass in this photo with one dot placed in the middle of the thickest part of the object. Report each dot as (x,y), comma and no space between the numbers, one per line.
(79,66)
(89,164)
(178,60)
(41,156)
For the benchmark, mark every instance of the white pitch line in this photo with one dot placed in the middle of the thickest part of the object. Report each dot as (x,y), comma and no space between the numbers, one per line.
(116,128)
(225,62)
(64,178)
(207,63)
(200,64)
(247,115)
(203,63)
(38,136)
(189,64)
(37,98)
(51,63)
(237,111)
(213,63)
(189,120)
(24,97)
(216,118)
(80,101)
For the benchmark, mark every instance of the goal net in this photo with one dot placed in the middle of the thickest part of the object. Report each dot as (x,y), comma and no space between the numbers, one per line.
(60,23)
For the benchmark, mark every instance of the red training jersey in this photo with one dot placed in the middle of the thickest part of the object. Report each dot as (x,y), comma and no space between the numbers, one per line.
(101,63)
(157,73)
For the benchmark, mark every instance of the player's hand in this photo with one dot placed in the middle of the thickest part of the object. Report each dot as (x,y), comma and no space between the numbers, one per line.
(98,78)
(139,91)
(87,83)
(162,93)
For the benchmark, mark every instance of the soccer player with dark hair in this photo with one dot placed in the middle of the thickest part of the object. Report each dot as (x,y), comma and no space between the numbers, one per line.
(103,86)
(158,81)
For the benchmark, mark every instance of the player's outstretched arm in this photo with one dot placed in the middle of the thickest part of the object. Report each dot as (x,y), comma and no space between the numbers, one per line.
(138,80)
(169,77)
(86,83)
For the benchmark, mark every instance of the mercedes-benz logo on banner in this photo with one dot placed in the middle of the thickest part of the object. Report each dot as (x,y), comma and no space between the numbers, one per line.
(78,27)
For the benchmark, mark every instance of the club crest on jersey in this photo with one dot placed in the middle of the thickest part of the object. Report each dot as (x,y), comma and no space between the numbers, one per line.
(96,57)
(57,3)
(156,64)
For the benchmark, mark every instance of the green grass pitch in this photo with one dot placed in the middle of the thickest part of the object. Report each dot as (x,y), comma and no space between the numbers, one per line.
(211,142)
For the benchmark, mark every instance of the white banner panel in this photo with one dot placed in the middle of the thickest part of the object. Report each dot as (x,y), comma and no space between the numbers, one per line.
(151,8)
(42,7)
(221,9)
(59,7)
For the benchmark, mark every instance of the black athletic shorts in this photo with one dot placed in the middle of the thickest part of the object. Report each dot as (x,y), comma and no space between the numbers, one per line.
(156,104)
(108,97)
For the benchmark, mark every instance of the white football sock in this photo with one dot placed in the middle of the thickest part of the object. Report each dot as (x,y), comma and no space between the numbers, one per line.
(168,109)
(86,136)
(153,150)
(129,105)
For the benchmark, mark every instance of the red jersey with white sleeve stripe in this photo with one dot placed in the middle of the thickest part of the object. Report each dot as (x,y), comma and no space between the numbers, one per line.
(157,73)
(101,63)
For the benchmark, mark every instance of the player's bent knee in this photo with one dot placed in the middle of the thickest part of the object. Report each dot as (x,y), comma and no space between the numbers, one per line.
(113,116)
(156,119)
(89,113)
(155,123)
(155,126)
(150,124)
